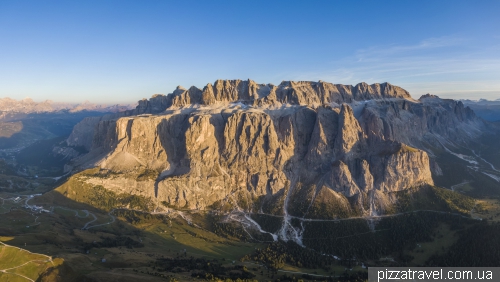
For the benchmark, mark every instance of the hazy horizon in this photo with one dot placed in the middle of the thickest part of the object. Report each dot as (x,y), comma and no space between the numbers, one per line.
(122,51)
(132,102)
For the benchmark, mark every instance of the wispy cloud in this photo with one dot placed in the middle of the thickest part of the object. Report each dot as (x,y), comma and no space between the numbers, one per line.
(446,65)
(379,52)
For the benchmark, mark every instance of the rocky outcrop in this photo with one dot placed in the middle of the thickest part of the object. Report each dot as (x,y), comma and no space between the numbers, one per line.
(306,93)
(418,124)
(299,148)
(201,158)
(224,92)
(89,132)
(83,133)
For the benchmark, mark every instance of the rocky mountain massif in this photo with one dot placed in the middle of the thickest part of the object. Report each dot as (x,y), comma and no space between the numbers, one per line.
(307,149)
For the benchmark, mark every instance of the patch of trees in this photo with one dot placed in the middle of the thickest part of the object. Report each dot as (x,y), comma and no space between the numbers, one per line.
(477,246)
(345,239)
(268,223)
(101,173)
(344,277)
(392,235)
(433,198)
(102,198)
(229,230)
(490,147)
(138,217)
(211,270)
(454,201)
(170,278)
(483,185)
(277,254)
(334,208)
(117,241)
(454,170)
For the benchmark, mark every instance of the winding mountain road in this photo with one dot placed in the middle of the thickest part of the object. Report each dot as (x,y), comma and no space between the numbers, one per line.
(113,219)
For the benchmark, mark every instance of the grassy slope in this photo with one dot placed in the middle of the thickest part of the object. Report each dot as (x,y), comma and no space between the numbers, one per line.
(169,235)
(434,198)
(14,260)
(75,189)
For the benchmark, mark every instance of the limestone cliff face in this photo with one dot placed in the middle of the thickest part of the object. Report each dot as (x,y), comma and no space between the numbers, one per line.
(281,148)
(419,123)
(242,156)
(248,92)
(251,93)
(90,130)
(83,133)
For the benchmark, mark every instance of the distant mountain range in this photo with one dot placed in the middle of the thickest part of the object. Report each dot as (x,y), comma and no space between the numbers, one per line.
(22,122)
(486,109)
(28,106)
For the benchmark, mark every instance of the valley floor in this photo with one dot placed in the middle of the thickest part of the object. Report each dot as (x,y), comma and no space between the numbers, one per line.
(130,245)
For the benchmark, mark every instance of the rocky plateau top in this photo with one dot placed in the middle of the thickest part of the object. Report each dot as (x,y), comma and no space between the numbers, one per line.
(311,149)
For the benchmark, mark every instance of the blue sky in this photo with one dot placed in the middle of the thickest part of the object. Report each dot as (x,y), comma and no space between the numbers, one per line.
(122,51)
